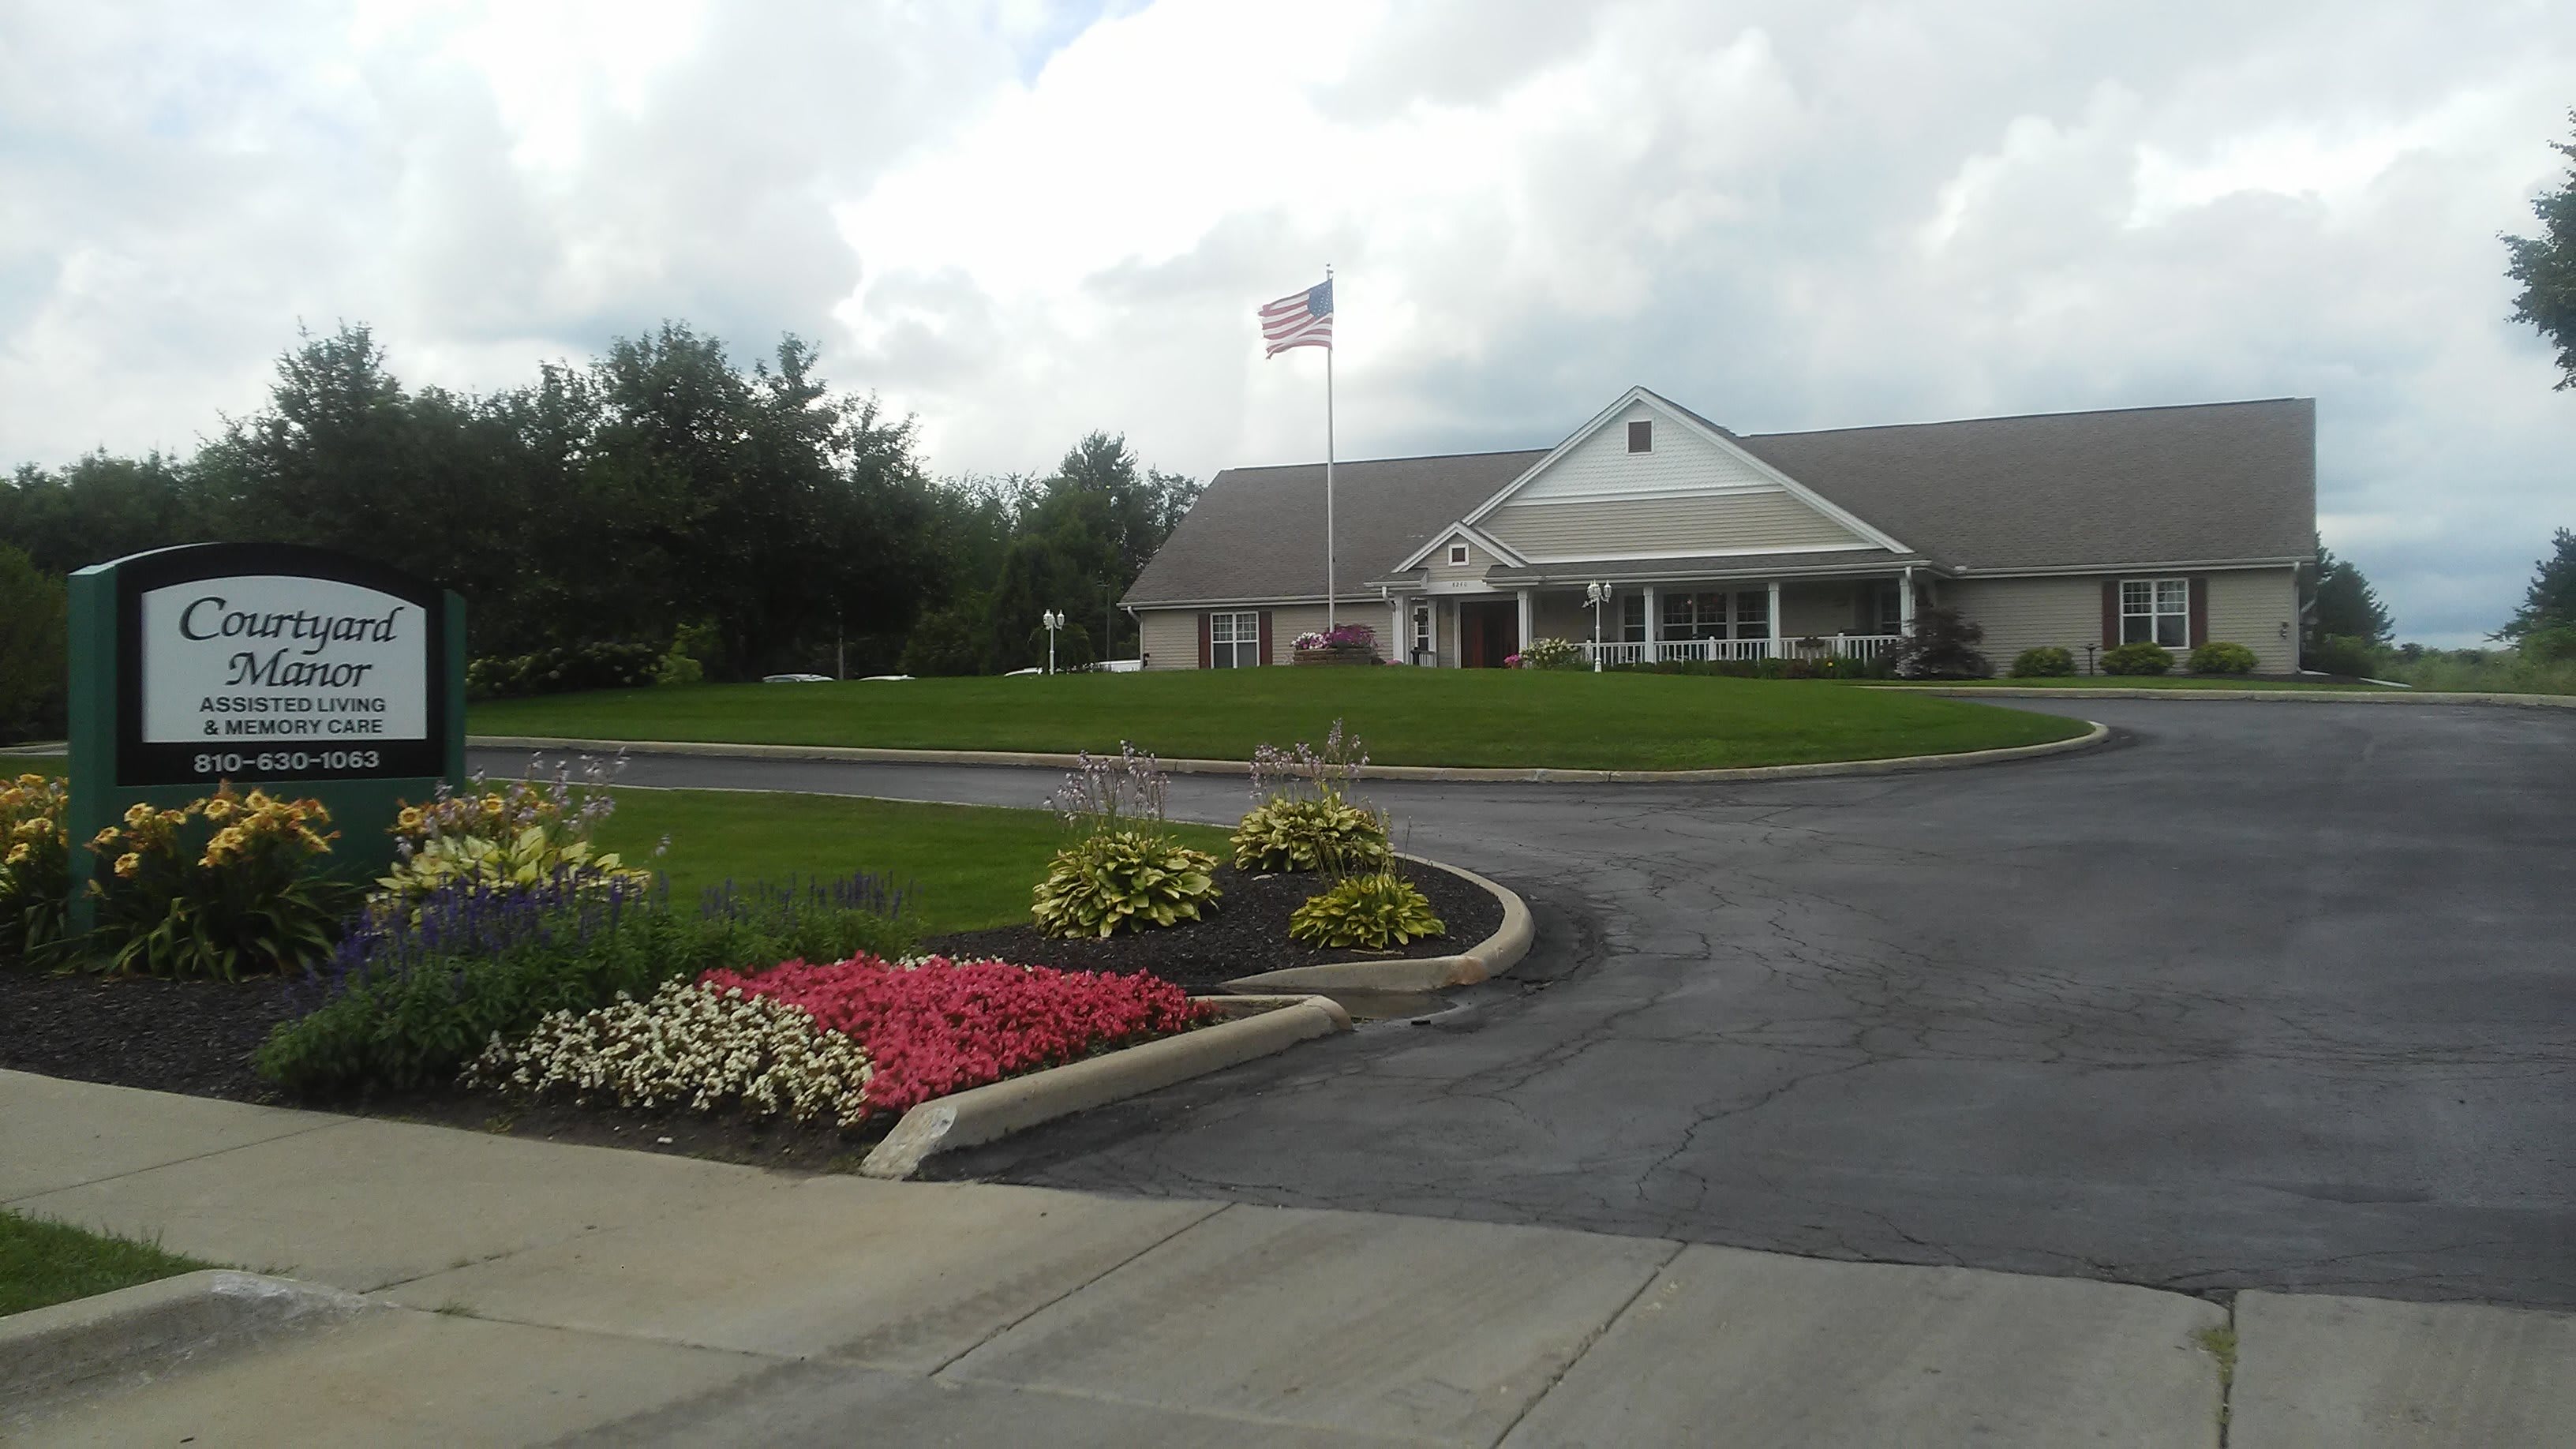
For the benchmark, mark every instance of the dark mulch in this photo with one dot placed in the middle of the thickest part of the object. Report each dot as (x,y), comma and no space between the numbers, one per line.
(170,1036)
(1246,933)
(197,1037)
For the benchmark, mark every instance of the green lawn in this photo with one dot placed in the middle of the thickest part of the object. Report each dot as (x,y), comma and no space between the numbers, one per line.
(967,867)
(1475,717)
(44,1262)
(2132,681)
(12,766)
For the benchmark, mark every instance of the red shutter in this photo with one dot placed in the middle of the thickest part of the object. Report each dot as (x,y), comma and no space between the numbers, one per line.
(2199,611)
(1265,636)
(1207,651)
(2110,613)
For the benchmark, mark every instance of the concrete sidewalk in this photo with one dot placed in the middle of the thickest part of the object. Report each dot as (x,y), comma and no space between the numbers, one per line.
(528,1292)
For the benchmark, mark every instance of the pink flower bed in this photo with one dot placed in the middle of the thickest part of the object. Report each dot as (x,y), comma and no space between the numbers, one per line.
(937,1026)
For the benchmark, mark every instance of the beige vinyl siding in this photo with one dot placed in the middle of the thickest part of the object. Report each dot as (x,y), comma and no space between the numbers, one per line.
(1289,621)
(1439,569)
(2249,607)
(1558,615)
(2246,606)
(1704,524)
(2019,614)
(1171,637)
(1680,461)
(1819,611)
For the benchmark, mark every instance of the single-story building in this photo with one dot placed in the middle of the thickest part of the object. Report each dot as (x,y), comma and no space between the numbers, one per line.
(2181,525)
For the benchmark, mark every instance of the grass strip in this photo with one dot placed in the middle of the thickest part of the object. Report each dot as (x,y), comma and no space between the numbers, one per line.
(1465,717)
(43,1262)
(969,867)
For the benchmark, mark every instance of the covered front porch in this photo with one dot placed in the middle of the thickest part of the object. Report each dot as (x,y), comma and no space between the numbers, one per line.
(1480,624)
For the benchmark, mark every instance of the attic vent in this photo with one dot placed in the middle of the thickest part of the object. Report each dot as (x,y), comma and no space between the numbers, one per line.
(1641,436)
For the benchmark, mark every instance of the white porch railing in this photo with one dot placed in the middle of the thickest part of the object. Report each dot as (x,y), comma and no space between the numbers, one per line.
(1673,651)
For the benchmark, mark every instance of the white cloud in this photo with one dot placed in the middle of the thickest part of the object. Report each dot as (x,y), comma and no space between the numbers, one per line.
(1026,219)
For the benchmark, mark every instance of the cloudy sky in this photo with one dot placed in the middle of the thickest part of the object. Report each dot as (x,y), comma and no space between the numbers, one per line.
(1021,220)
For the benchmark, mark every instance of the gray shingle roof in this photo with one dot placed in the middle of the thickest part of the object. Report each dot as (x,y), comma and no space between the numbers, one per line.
(2198,484)
(1258,533)
(2206,483)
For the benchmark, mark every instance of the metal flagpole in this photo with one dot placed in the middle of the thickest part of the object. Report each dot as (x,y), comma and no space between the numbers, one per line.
(1331,593)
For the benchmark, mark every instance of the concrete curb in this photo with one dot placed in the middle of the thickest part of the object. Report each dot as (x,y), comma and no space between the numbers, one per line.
(1492,956)
(70,1348)
(2303,696)
(1542,776)
(982,1114)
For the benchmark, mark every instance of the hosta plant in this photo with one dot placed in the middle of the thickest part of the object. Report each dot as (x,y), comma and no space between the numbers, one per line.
(1310,834)
(35,863)
(514,834)
(1123,880)
(1375,911)
(224,886)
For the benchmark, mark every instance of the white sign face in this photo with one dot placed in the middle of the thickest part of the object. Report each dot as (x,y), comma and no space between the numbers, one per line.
(262,657)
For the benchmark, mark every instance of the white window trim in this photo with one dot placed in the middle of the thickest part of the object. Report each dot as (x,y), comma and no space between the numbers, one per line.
(1733,626)
(1458,555)
(2155,610)
(1236,621)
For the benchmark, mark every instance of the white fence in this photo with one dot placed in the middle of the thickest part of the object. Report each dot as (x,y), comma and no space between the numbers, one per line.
(1839,646)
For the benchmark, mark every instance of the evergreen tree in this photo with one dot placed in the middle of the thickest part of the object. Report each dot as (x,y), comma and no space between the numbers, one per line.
(2340,603)
(2550,603)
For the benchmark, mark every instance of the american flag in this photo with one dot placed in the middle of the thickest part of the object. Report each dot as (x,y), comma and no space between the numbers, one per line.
(1300,319)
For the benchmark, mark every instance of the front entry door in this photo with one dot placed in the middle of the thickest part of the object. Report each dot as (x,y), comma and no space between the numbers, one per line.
(1488,633)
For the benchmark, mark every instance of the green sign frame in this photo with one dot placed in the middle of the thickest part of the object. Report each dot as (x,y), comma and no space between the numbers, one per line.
(298,670)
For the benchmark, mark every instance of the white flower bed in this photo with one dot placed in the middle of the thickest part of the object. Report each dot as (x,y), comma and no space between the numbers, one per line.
(688,1044)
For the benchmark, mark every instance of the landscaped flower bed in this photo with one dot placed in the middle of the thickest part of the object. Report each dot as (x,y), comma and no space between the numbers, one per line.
(847,1040)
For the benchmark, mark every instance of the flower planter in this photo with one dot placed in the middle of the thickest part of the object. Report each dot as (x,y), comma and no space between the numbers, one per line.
(1336,654)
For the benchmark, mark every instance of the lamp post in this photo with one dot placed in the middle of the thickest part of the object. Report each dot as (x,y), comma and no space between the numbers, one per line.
(1053,621)
(1598,596)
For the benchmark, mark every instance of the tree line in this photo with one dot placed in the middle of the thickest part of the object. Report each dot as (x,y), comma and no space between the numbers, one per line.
(662,493)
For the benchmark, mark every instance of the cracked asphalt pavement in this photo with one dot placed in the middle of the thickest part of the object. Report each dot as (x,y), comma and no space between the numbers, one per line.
(2276,996)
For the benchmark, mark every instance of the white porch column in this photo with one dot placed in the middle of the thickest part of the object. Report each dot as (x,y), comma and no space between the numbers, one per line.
(1399,645)
(1650,623)
(1905,603)
(1775,619)
(1529,616)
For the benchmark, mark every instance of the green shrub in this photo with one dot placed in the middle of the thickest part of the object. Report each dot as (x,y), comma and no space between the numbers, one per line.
(679,668)
(1327,833)
(35,864)
(2045,662)
(2553,645)
(34,633)
(2222,658)
(224,887)
(413,997)
(1551,654)
(1123,880)
(1373,911)
(558,671)
(1942,646)
(2342,654)
(2138,658)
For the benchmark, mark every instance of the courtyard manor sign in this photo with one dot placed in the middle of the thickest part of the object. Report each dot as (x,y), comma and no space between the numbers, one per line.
(303,671)
(276,657)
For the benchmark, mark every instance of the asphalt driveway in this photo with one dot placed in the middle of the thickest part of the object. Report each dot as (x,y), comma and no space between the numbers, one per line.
(2264,996)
